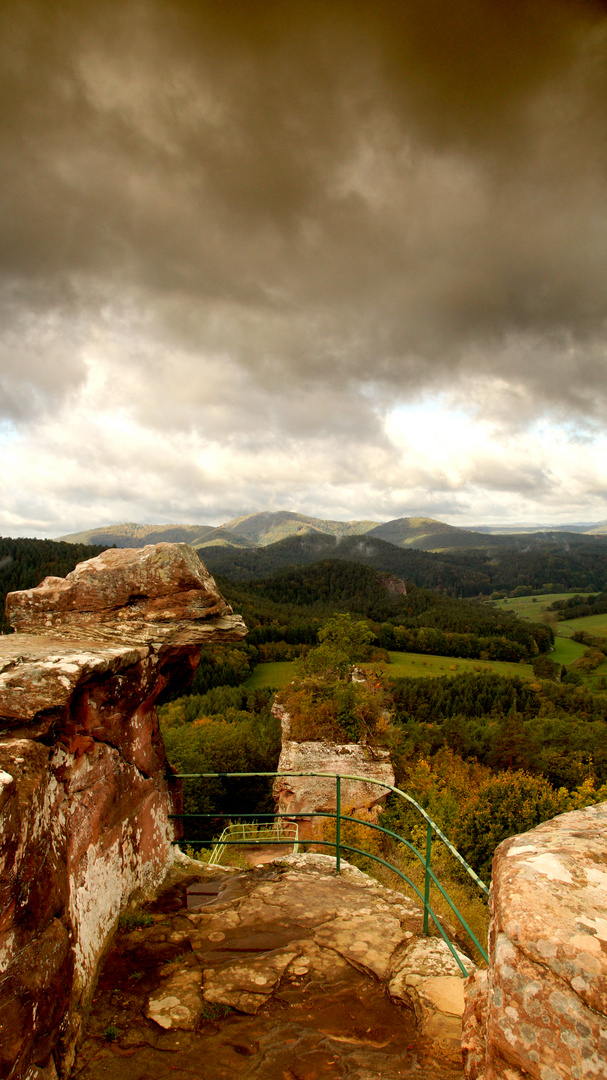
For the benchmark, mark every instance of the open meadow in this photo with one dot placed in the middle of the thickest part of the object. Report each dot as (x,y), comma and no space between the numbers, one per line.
(419,666)
(592,624)
(401,664)
(566,651)
(534,608)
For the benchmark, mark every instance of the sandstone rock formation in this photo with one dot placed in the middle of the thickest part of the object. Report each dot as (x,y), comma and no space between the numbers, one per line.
(280,972)
(159,594)
(84,790)
(301,795)
(541,1009)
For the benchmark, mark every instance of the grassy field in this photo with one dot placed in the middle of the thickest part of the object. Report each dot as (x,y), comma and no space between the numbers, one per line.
(280,673)
(416,665)
(533,608)
(276,674)
(593,624)
(566,650)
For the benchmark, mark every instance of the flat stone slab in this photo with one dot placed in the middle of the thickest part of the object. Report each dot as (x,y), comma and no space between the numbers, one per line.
(178,1001)
(284,975)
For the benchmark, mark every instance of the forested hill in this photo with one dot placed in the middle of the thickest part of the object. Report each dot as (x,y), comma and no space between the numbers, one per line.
(560,565)
(290,606)
(24,563)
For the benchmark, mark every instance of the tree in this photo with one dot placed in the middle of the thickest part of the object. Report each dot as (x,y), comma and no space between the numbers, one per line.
(545,668)
(502,805)
(342,642)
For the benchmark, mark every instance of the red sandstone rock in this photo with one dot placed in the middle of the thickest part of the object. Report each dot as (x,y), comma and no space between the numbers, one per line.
(542,1012)
(301,795)
(161,594)
(474,1025)
(84,815)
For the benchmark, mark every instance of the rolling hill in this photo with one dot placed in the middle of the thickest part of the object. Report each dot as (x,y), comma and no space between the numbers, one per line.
(426,534)
(265,529)
(469,572)
(130,534)
(585,528)
(269,527)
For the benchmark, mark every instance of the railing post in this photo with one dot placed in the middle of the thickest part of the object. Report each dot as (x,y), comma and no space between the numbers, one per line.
(337,824)
(427,880)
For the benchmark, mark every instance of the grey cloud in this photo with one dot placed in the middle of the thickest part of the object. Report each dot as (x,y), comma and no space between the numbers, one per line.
(497,475)
(40,361)
(328,195)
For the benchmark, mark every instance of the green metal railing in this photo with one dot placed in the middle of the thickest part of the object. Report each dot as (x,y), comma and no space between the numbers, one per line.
(247,833)
(432,831)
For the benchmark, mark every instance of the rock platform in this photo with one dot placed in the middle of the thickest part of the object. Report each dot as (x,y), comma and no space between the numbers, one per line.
(287,971)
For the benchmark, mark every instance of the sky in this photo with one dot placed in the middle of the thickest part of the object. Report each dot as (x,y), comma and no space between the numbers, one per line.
(342,258)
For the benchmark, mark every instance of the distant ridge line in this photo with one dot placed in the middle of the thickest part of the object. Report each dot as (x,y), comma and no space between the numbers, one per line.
(261,529)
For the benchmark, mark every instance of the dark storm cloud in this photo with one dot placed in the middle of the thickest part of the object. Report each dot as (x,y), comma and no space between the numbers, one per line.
(325,196)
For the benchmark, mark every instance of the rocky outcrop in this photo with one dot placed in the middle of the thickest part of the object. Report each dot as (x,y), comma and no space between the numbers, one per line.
(301,795)
(157,595)
(540,1010)
(285,971)
(84,792)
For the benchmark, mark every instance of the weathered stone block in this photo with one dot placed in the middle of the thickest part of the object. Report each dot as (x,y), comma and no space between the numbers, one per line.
(158,594)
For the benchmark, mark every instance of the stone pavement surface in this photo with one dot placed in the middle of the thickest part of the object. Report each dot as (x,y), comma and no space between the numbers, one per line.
(284,972)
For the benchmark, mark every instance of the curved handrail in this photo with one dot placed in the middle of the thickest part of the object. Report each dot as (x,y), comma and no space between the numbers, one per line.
(432,827)
(361,779)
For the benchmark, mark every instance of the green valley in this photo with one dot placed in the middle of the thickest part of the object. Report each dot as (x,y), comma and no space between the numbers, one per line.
(484,704)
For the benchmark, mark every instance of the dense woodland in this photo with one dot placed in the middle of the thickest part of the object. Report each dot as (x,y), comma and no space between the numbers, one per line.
(487,755)
(24,563)
(285,612)
(561,565)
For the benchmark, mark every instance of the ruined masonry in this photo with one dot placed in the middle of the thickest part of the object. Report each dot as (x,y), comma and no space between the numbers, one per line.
(84,794)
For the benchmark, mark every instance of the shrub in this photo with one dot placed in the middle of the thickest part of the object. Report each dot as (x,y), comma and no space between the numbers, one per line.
(336,711)
(501,806)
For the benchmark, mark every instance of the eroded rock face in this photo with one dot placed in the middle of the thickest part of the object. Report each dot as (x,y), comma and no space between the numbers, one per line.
(84,783)
(159,594)
(298,795)
(541,1009)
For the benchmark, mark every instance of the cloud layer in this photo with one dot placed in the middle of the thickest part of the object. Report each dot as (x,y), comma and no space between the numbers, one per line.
(266,255)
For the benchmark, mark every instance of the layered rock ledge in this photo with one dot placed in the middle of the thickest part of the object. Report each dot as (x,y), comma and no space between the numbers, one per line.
(85,790)
(541,1008)
(161,594)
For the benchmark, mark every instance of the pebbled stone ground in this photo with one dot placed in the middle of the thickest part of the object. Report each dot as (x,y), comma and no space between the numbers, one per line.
(284,972)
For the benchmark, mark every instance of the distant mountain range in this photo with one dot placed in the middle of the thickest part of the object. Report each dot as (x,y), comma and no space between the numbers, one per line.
(587,528)
(266,528)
